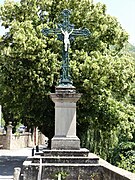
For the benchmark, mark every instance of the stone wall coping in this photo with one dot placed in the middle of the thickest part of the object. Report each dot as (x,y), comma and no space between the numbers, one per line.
(29,163)
(65,97)
(120,171)
(22,134)
(2,134)
(62,157)
(67,150)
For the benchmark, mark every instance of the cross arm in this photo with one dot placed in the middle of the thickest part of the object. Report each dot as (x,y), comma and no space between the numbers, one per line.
(80,32)
(47,32)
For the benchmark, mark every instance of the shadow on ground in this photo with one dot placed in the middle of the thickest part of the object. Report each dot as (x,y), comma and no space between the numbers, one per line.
(8,163)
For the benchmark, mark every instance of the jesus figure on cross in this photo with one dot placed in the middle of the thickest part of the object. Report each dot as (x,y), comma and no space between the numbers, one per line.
(65,32)
(66,38)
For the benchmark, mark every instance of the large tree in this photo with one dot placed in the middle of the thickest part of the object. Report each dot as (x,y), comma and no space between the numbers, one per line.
(100,69)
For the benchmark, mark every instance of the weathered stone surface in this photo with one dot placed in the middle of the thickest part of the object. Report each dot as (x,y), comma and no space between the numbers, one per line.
(72,167)
(83,152)
(30,171)
(65,159)
(111,172)
(70,160)
(73,163)
(69,89)
(74,171)
(65,143)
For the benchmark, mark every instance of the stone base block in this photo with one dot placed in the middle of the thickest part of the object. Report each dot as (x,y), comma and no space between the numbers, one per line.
(72,168)
(65,143)
(67,171)
(83,152)
(91,159)
(71,164)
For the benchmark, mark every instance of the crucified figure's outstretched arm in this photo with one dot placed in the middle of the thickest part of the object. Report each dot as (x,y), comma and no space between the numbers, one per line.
(66,38)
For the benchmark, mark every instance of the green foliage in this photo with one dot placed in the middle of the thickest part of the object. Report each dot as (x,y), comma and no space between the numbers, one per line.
(128,162)
(61,175)
(100,67)
(124,156)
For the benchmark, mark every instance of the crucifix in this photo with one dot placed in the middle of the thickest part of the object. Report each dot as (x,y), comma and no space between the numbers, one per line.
(66,32)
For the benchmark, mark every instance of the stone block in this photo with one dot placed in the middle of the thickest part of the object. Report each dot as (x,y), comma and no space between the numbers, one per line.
(65,143)
(83,152)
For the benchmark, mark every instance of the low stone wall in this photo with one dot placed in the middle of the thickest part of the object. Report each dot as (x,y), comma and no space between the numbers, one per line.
(111,172)
(75,172)
(16,141)
(33,170)
(3,141)
(22,141)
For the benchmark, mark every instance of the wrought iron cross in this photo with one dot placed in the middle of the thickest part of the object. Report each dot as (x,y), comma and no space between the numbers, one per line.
(66,32)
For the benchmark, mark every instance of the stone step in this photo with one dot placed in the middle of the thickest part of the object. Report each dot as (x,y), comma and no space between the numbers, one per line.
(70,171)
(76,153)
(6,177)
(70,160)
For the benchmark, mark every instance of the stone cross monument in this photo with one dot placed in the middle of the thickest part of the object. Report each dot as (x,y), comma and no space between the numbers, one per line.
(65,159)
(65,96)
(66,33)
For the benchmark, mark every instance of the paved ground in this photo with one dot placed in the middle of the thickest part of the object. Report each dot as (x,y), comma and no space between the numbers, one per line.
(9,159)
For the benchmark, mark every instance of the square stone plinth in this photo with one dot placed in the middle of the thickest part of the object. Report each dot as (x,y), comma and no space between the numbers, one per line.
(65,143)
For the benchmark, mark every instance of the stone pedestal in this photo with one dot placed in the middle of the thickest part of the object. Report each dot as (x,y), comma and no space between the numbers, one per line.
(65,157)
(65,98)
